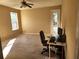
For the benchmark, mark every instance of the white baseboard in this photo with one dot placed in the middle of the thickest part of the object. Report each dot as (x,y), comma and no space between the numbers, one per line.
(32,33)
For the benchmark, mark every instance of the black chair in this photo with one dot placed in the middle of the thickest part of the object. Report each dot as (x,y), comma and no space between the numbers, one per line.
(44,42)
(61,38)
(59,34)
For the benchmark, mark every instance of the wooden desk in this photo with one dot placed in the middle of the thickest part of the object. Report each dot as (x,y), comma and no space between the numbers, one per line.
(57,44)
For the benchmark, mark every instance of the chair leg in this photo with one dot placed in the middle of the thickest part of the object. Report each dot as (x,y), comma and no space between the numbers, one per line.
(45,50)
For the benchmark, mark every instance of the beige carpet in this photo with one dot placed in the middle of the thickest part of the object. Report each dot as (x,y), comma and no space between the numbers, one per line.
(27,47)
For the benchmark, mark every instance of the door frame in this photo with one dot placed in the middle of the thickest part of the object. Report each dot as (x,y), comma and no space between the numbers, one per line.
(1,54)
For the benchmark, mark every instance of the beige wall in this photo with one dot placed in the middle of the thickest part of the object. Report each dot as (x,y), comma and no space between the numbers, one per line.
(69,21)
(34,20)
(5,23)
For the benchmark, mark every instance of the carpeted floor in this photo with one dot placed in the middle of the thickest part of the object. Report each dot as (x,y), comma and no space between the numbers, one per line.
(27,47)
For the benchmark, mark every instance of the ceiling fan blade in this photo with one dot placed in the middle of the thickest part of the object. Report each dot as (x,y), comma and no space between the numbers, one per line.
(23,6)
(30,4)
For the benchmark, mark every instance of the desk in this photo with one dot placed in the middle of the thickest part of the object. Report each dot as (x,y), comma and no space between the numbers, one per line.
(57,44)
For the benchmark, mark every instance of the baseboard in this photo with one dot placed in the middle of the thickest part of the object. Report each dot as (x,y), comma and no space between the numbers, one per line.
(32,33)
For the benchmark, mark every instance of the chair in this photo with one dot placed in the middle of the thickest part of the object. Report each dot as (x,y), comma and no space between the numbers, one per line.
(61,38)
(44,42)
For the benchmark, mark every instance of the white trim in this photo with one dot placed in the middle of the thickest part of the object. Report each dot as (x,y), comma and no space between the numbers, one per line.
(36,34)
(32,33)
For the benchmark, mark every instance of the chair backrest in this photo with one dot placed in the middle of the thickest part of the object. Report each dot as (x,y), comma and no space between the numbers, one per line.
(42,37)
(60,34)
(59,31)
(62,37)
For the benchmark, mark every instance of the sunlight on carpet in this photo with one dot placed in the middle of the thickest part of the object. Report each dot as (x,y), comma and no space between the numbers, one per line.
(8,47)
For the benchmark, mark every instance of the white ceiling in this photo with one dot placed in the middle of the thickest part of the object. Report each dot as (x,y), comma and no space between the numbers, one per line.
(37,3)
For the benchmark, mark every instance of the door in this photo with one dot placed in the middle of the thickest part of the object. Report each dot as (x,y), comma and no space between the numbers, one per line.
(77,33)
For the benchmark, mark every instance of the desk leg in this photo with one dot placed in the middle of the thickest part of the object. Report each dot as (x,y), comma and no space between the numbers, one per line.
(62,52)
(65,49)
(49,51)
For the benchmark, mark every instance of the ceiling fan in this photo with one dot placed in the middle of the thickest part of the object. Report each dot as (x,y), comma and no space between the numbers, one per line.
(25,4)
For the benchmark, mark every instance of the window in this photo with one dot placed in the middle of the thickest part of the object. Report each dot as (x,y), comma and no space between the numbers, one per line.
(14,21)
(55,22)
